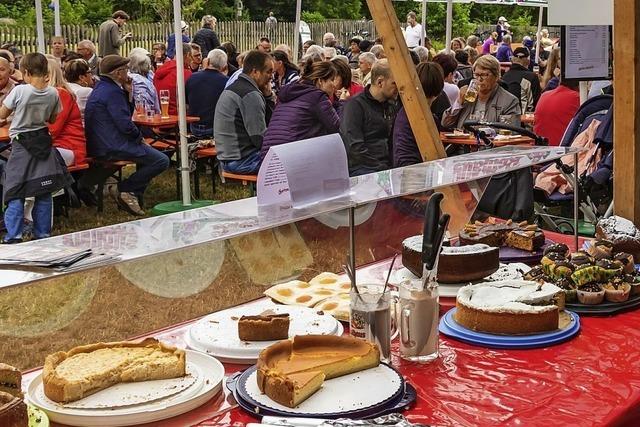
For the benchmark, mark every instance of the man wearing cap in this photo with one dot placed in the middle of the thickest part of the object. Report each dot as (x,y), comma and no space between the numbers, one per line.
(112,135)
(523,83)
(109,40)
(171,40)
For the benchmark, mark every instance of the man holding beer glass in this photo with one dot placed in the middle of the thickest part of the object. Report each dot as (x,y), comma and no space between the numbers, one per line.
(483,99)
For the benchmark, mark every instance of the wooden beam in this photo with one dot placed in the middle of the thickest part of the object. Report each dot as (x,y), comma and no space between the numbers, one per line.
(415,102)
(626,129)
(413,97)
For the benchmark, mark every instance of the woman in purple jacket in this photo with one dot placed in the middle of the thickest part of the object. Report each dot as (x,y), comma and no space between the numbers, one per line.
(405,149)
(303,109)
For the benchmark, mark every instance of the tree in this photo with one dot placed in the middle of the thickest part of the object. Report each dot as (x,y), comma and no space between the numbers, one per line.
(164,8)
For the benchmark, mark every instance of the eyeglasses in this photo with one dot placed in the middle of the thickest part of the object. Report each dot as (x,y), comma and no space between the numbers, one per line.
(481,76)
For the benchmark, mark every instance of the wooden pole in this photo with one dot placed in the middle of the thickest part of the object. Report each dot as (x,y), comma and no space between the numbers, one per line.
(626,82)
(415,102)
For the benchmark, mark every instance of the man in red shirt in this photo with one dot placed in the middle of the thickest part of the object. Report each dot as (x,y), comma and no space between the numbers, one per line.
(166,78)
(555,110)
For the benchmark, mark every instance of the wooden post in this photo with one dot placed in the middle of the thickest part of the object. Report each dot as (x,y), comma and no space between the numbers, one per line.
(413,98)
(415,102)
(626,82)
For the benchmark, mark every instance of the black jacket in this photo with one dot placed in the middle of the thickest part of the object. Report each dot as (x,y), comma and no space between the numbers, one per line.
(366,128)
(207,39)
(524,85)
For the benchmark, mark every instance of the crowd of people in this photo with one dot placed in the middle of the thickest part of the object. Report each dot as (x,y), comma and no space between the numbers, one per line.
(82,103)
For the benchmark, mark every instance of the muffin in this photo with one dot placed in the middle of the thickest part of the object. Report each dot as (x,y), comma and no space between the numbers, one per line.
(590,294)
(559,248)
(617,290)
(625,261)
(580,258)
(634,281)
(587,274)
(610,269)
(569,288)
(550,261)
(600,249)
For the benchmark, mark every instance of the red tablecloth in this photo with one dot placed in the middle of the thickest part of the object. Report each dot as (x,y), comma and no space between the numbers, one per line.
(591,380)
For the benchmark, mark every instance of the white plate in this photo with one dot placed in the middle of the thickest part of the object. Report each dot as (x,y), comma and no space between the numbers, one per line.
(505,272)
(354,391)
(211,374)
(127,394)
(217,334)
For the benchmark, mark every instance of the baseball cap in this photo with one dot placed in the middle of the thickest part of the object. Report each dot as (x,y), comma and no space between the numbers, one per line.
(112,62)
(183,25)
(521,52)
(502,19)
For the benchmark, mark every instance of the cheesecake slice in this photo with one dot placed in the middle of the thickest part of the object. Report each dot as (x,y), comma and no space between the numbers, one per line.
(291,371)
(84,370)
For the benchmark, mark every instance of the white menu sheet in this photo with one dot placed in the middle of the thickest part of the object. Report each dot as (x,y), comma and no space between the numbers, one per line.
(587,52)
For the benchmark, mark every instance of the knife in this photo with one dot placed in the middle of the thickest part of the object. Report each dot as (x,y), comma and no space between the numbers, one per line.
(431,222)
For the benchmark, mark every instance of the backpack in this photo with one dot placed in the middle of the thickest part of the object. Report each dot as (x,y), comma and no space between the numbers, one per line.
(509,196)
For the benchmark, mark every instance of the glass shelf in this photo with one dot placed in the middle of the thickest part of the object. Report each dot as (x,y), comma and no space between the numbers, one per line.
(153,236)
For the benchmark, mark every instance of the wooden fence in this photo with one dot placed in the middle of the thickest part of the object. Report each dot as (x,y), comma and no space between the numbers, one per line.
(245,35)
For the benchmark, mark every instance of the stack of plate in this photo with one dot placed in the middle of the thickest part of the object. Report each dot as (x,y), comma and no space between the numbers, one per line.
(217,333)
(137,403)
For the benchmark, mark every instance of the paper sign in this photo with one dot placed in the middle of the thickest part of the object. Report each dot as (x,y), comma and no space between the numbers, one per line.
(586,52)
(304,172)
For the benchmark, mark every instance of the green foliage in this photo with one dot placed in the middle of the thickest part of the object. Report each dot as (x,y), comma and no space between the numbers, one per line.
(310,17)
(96,11)
(336,9)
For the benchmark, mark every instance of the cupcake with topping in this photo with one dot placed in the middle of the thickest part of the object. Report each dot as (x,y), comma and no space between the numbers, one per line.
(550,261)
(569,288)
(617,290)
(634,281)
(610,269)
(580,258)
(536,274)
(587,274)
(601,249)
(625,261)
(590,294)
(563,269)
(559,248)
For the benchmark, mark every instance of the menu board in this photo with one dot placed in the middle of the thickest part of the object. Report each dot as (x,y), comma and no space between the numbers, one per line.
(586,52)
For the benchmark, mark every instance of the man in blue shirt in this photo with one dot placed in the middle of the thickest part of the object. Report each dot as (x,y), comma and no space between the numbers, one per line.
(203,90)
(171,40)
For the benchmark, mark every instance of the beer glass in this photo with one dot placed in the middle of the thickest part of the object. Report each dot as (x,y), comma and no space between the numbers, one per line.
(472,91)
(164,103)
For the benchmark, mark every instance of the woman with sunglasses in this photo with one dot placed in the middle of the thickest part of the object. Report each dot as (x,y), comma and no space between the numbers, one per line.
(491,102)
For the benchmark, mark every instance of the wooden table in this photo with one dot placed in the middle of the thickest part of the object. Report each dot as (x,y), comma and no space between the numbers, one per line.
(4,134)
(471,144)
(591,380)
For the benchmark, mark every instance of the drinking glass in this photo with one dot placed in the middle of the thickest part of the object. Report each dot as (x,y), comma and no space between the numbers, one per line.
(418,314)
(140,111)
(371,318)
(164,103)
(472,91)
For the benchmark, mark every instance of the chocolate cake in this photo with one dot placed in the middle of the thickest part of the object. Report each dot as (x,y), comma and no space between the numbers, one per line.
(624,235)
(13,411)
(524,236)
(457,264)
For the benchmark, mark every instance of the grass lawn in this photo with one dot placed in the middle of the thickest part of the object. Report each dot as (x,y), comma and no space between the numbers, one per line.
(162,189)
